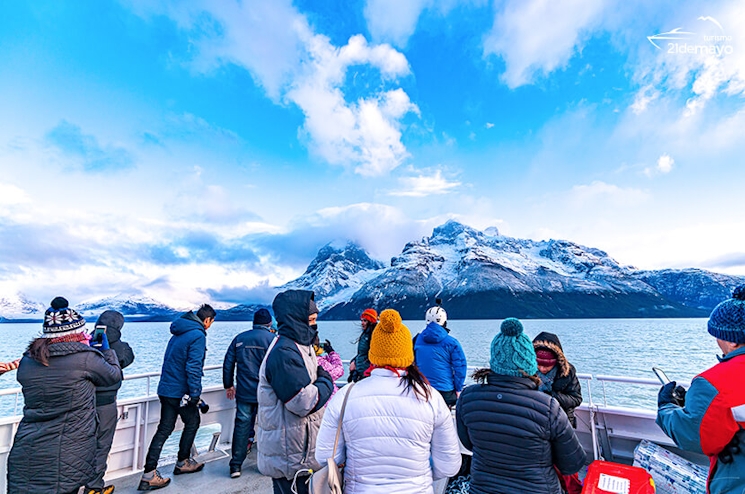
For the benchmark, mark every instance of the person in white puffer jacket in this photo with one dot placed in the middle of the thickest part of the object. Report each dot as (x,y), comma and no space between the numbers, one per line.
(397,434)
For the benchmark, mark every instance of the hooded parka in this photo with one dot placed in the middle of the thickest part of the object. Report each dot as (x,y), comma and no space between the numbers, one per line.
(565,388)
(291,394)
(55,445)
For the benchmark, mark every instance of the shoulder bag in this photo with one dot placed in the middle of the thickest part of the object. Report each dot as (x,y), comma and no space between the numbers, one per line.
(329,479)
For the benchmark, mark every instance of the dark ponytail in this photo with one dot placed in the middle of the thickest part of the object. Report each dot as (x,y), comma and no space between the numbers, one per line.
(416,382)
(480,376)
(38,350)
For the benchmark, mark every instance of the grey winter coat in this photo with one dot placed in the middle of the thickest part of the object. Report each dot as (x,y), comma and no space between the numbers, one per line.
(55,445)
(517,435)
(291,394)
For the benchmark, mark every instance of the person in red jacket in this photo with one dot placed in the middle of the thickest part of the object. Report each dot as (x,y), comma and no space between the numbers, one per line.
(710,417)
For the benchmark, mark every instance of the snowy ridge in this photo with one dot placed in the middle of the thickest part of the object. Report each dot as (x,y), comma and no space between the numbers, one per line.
(18,306)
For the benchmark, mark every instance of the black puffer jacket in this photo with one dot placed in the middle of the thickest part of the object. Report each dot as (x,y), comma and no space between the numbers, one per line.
(114,322)
(565,388)
(517,435)
(55,445)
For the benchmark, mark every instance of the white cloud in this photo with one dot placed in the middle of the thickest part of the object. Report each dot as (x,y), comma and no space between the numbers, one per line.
(643,98)
(536,37)
(599,192)
(489,125)
(392,20)
(425,185)
(276,44)
(665,163)
(11,195)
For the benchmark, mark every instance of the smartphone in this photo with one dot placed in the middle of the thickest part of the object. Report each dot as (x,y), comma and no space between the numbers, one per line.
(99,332)
(661,375)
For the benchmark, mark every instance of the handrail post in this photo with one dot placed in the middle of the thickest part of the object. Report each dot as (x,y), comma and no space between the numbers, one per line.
(593,425)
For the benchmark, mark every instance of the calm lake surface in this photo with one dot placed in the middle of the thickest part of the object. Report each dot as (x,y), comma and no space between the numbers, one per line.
(622,347)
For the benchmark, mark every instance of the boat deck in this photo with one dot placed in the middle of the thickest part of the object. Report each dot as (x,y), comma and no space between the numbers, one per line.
(215,478)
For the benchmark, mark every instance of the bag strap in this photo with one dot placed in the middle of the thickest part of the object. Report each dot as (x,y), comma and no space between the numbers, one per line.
(341,418)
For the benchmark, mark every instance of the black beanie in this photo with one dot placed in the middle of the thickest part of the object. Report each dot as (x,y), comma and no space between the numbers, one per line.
(262,317)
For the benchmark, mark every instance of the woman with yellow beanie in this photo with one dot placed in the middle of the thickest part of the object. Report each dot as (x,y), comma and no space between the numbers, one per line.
(397,433)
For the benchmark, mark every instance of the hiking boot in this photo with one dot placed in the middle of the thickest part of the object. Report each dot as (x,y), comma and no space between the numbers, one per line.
(235,472)
(157,482)
(190,466)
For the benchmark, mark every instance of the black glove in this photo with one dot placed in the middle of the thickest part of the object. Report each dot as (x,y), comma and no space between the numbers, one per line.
(323,373)
(671,393)
(327,346)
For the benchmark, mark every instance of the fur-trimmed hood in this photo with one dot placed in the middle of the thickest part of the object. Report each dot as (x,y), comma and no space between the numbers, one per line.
(550,341)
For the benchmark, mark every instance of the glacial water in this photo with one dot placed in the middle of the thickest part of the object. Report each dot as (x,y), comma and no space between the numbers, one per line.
(623,347)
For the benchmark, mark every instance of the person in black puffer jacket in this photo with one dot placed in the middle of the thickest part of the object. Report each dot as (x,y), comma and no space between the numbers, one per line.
(517,433)
(106,409)
(55,445)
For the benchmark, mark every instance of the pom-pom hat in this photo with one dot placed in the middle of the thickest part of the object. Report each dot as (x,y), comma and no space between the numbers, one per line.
(369,315)
(391,343)
(512,352)
(727,320)
(61,320)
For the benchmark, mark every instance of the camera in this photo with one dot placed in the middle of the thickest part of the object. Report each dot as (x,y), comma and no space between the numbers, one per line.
(203,407)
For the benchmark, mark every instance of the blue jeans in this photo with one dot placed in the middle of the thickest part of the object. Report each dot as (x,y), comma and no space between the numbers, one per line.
(243,431)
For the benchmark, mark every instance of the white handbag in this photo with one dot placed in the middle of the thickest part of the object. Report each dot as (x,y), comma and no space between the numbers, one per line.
(329,479)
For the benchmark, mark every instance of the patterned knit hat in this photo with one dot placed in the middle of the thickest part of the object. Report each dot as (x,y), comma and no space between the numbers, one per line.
(391,342)
(512,351)
(60,320)
(727,320)
(369,315)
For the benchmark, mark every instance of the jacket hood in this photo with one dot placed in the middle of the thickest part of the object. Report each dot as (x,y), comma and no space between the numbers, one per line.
(434,333)
(291,310)
(187,322)
(114,321)
(550,341)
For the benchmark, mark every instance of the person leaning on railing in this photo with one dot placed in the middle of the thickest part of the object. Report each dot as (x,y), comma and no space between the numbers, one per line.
(710,417)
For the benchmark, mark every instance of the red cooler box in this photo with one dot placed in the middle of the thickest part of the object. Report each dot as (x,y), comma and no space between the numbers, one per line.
(605,477)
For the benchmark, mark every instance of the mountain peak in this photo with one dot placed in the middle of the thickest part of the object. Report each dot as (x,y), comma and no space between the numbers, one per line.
(452,229)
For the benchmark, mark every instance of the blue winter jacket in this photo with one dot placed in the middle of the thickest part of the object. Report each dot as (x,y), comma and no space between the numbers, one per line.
(246,352)
(440,358)
(184,359)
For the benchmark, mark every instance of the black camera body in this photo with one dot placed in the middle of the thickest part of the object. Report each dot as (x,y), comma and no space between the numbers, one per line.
(203,407)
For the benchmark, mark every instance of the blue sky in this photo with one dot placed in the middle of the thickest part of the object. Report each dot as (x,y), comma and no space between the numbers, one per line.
(205,150)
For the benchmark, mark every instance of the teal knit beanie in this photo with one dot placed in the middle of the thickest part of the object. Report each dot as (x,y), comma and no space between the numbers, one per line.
(512,351)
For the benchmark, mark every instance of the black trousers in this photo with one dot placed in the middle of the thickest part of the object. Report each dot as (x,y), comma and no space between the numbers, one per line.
(169,412)
(450,397)
(107,416)
(284,486)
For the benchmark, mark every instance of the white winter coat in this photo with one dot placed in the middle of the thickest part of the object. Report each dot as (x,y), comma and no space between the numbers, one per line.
(392,441)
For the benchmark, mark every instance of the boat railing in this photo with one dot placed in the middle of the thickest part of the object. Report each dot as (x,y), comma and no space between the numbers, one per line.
(609,431)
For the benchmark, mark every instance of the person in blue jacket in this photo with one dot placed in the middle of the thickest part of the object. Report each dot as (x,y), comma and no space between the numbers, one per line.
(243,360)
(440,357)
(178,391)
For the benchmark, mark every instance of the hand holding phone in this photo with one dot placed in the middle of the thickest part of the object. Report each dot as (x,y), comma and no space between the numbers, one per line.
(98,333)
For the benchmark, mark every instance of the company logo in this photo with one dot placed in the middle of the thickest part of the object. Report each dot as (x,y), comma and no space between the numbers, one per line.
(709,39)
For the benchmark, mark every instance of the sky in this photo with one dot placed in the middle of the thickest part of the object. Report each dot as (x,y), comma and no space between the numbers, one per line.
(204,151)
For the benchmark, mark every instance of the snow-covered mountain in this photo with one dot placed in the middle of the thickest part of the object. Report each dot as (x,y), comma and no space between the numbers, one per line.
(477,274)
(134,308)
(487,275)
(19,307)
(336,274)
(691,287)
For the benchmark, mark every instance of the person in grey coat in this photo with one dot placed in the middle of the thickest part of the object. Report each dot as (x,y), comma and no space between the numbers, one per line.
(293,389)
(106,409)
(519,435)
(54,451)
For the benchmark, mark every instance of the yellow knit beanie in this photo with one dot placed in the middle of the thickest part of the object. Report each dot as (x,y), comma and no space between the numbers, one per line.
(391,342)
